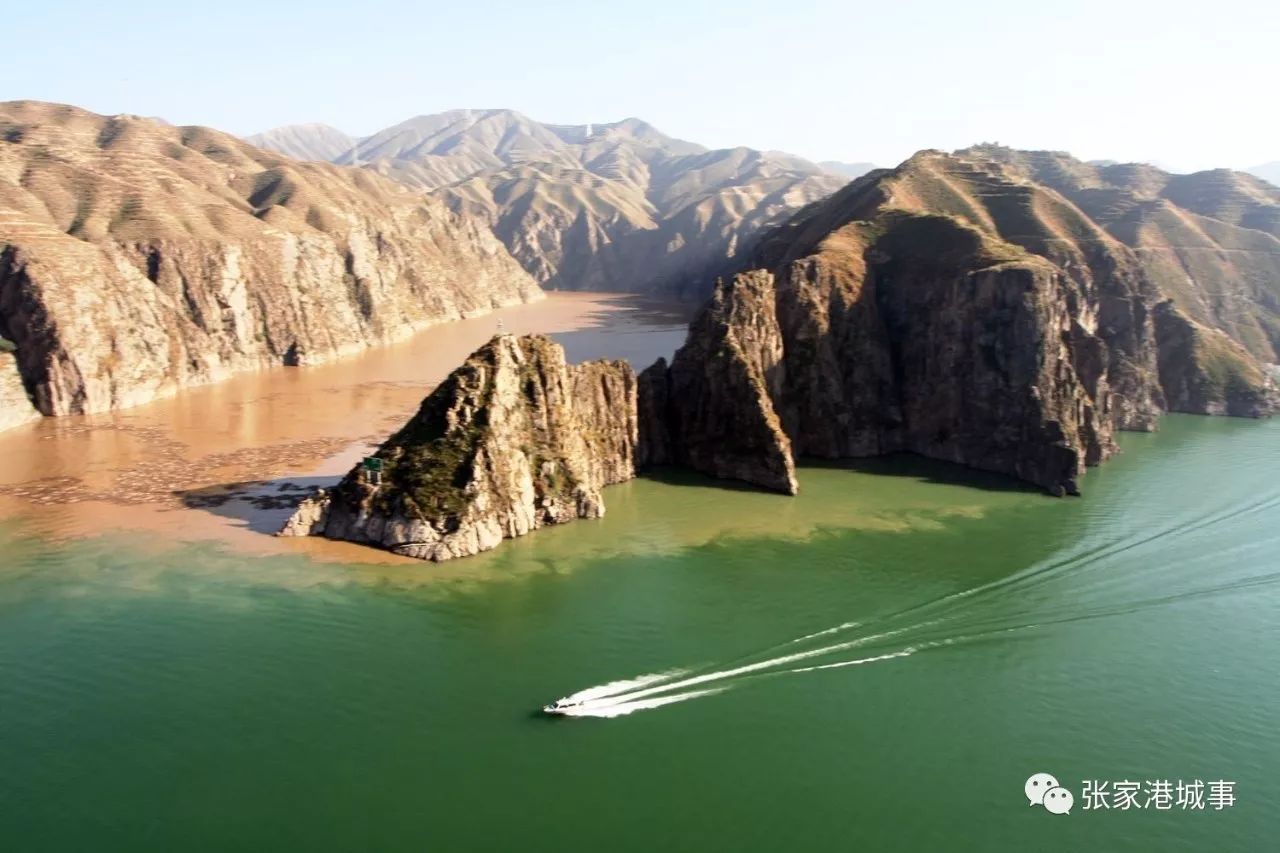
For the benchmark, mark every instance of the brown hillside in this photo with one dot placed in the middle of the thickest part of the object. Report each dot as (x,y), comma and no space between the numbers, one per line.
(136,258)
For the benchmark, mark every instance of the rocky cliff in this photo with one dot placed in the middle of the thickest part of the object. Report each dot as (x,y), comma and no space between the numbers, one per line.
(712,409)
(513,440)
(951,308)
(962,308)
(138,258)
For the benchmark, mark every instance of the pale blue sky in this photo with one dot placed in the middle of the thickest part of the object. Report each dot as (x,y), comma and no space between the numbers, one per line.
(1191,85)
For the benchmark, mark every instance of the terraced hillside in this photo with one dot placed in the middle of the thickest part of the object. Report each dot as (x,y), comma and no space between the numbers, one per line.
(1210,240)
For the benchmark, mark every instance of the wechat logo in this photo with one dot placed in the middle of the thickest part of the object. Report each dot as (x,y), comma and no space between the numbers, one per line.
(1043,789)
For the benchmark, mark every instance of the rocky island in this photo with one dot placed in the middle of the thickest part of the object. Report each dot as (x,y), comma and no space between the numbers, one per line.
(513,440)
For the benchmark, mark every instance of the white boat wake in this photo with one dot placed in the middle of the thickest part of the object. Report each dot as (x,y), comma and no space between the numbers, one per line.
(645,692)
(843,626)
(620,708)
(617,688)
(907,652)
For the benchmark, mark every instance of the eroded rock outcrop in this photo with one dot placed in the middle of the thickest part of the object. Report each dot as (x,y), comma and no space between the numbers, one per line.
(513,440)
(138,258)
(939,309)
(957,308)
(712,410)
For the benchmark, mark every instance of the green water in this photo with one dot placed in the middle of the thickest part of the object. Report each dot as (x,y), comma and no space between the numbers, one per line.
(178,697)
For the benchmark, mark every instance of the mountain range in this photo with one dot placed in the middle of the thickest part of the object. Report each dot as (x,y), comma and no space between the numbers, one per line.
(137,258)
(617,206)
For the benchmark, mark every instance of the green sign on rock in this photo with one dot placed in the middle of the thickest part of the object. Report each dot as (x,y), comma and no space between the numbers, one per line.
(372,463)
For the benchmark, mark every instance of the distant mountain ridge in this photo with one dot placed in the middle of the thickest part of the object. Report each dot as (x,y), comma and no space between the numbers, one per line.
(305,141)
(612,206)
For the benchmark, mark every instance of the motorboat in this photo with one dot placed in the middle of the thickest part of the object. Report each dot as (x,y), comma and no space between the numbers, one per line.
(560,706)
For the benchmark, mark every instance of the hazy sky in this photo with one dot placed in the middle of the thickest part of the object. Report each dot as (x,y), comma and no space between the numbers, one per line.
(1188,85)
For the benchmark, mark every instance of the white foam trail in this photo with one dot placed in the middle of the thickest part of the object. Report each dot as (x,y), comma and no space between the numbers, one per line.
(843,626)
(907,652)
(614,688)
(619,709)
(614,706)
(761,665)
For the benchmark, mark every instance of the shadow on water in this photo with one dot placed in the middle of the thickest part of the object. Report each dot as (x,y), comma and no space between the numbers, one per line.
(925,470)
(262,506)
(904,465)
(673,476)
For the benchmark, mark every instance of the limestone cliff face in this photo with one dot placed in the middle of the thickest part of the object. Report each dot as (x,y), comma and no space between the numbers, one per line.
(138,258)
(950,308)
(513,440)
(943,309)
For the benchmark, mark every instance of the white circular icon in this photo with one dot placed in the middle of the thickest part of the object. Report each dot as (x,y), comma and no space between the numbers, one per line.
(1059,800)
(1037,785)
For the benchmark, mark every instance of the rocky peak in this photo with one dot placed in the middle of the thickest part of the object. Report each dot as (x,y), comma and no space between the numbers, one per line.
(513,440)
(713,409)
